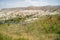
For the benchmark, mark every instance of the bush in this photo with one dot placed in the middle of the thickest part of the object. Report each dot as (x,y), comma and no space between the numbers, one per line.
(4,37)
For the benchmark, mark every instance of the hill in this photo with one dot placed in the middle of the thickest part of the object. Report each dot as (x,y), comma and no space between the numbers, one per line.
(30,23)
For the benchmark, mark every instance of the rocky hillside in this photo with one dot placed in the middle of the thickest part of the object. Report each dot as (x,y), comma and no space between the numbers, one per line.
(30,23)
(9,13)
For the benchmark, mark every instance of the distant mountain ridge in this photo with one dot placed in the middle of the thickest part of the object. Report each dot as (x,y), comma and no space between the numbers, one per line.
(8,13)
(44,8)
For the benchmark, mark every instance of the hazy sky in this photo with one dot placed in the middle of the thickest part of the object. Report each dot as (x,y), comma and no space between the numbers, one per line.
(23,3)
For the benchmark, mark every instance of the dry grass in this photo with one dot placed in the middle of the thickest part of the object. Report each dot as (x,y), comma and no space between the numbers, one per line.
(46,28)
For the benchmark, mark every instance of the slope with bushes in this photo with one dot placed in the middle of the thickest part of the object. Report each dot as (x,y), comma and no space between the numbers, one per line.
(45,28)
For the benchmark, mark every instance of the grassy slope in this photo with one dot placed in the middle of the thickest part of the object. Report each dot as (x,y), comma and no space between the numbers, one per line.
(46,28)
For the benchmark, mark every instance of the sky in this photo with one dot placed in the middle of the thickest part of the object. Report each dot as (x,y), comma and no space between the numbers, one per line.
(25,3)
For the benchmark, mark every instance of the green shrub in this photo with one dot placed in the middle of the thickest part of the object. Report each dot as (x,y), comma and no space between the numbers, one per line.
(4,37)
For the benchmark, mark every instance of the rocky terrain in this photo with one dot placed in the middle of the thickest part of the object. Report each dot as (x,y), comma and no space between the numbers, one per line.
(34,12)
(30,23)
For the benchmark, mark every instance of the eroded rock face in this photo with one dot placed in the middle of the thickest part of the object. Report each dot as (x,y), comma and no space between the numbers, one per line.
(31,12)
(23,13)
